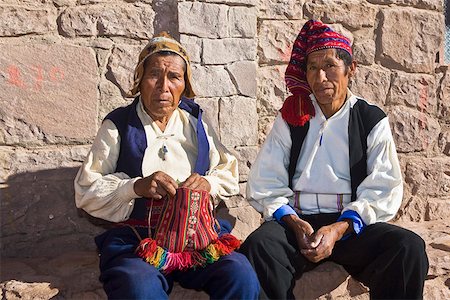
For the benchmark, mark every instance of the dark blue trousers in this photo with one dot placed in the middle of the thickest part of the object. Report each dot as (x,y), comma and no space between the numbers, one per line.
(126,276)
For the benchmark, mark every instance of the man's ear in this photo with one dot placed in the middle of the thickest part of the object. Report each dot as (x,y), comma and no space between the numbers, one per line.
(352,69)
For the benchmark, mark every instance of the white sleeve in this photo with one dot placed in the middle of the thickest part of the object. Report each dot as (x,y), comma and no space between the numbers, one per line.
(268,186)
(98,190)
(223,173)
(379,196)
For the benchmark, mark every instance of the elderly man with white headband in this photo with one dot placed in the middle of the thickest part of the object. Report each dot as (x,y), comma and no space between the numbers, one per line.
(327,179)
(143,156)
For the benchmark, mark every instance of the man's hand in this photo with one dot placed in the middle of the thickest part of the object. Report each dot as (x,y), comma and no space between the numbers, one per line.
(322,242)
(302,230)
(156,186)
(196,182)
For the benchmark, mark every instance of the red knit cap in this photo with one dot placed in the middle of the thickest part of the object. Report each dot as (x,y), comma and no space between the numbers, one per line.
(298,109)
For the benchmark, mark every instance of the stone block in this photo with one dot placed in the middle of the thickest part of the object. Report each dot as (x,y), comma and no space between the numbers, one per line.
(438,208)
(444,140)
(413,130)
(38,207)
(243,73)
(444,96)
(235,2)
(276,38)
(280,9)
(49,93)
(206,20)
(238,121)
(14,289)
(265,124)
(223,51)
(212,81)
(210,107)
(108,20)
(243,219)
(335,284)
(428,177)
(337,11)
(364,47)
(20,20)
(193,47)
(423,4)
(242,21)
(271,90)
(413,90)
(111,97)
(372,83)
(121,65)
(410,39)
(246,156)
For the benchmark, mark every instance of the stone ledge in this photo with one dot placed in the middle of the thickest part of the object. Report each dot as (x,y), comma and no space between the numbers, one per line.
(74,274)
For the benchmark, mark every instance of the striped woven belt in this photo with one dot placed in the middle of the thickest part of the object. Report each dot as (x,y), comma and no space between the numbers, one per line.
(312,203)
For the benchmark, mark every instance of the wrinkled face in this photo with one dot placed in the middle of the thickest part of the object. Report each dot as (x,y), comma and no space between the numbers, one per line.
(162,84)
(328,76)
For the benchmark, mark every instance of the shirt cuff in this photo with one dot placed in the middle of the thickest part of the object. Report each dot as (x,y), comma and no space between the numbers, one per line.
(358,224)
(284,210)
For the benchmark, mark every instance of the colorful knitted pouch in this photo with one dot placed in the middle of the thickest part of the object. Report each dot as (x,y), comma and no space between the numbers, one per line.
(185,236)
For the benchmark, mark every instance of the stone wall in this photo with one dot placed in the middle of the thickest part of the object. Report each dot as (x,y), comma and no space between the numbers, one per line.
(66,63)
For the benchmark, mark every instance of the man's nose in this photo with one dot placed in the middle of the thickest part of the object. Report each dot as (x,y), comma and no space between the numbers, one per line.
(322,75)
(162,83)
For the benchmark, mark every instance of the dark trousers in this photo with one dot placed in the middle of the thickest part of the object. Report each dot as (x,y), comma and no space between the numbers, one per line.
(389,259)
(126,276)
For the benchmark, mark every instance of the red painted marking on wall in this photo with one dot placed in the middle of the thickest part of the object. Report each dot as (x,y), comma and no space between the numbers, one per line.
(15,76)
(39,72)
(34,75)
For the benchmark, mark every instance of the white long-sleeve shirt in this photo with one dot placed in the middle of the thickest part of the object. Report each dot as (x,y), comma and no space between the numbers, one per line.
(323,169)
(108,195)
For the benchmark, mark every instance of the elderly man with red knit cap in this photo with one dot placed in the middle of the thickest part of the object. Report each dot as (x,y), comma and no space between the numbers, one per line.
(327,179)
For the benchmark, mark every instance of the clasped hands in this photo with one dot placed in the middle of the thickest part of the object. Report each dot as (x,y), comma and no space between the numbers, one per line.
(159,184)
(316,245)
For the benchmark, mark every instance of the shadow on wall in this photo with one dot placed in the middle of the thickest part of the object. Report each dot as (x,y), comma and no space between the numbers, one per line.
(39,216)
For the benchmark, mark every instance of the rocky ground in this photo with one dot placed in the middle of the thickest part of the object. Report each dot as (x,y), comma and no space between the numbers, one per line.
(73,275)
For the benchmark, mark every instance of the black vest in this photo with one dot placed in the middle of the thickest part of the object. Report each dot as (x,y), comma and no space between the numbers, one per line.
(363,117)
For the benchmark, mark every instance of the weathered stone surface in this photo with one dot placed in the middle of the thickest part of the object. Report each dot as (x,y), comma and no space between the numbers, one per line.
(428,177)
(245,220)
(364,47)
(20,290)
(412,130)
(338,284)
(276,39)
(108,20)
(413,90)
(242,21)
(280,9)
(193,45)
(121,65)
(265,124)
(17,20)
(271,90)
(444,140)
(444,96)
(410,39)
(43,214)
(203,19)
(423,4)
(44,85)
(336,11)
(212,81)
(210,108)
(238,2)
(243,73)
(372,83)
(223,51)
(238,121)
(245,156)
(111,97)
